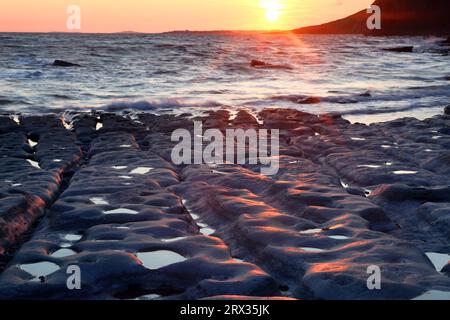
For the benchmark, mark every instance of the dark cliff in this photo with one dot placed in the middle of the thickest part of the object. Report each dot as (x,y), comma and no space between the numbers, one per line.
(398,17)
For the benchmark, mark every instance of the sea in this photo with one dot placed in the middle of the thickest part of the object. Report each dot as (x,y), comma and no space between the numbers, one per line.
(185,72)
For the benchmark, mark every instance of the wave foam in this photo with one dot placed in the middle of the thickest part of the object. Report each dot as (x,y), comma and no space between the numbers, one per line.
(144,105)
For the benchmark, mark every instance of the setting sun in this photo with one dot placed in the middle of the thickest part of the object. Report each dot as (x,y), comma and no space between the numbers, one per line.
(273,9)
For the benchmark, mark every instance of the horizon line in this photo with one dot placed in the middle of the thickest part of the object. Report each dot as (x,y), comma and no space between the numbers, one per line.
(160,32)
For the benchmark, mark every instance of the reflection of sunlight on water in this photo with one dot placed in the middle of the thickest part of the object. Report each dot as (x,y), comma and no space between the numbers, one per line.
(311,231)
(71,237)
(344,184)
(159,259)
(311,249)
(148,297)
(119,167)
(404,172)
(339,237)
(434,295)
(63,253)
(66,124)
(16,119)
(370,166)
(141,170)
(32,143)
(34,164)
(319,231)
(205,229)
(121,211)
(173,239)
(40,269)
(439,260)
(99,201)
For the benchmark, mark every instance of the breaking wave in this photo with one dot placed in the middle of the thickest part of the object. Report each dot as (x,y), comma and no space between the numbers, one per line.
(157,104)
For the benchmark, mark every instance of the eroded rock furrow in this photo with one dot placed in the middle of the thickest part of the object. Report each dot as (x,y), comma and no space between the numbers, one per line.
(318,246)
(131,237)
(38,156)
(400,165)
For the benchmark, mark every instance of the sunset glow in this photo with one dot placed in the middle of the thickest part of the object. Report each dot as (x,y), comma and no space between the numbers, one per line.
(169,15)
(273,9)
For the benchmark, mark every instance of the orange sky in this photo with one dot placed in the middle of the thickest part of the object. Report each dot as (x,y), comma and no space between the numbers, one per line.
(167,15)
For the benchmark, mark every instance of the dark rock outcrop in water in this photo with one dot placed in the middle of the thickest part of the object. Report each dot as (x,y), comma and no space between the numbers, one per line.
(447,110)
(257,63)
(399,17)
(309,100)
(400,49)
(62,63)
(264,65)
(446,42)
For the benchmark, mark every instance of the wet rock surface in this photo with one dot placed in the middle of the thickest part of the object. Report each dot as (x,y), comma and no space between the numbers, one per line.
(36,155)
(102,194)
(66,64)
(447,110)
(400,49)
(264,65)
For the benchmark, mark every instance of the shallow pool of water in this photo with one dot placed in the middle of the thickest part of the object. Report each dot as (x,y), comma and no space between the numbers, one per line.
(404,172)
(311,231)
(63,253)
(71,237)
(99,201)
(434,295)
(311,249)
(439,260)
(34,163)
(141,170)
(40,269)
(159,259)
(121,211)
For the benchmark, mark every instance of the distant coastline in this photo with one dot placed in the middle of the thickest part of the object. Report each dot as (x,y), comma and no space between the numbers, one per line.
(398,18)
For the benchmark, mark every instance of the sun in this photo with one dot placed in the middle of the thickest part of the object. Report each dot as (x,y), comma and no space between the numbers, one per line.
(273,9)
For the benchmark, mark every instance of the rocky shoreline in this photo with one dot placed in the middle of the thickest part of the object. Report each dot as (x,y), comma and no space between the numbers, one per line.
(101,193)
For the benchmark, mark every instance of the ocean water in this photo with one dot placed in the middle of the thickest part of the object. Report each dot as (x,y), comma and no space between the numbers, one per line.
(190,72)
